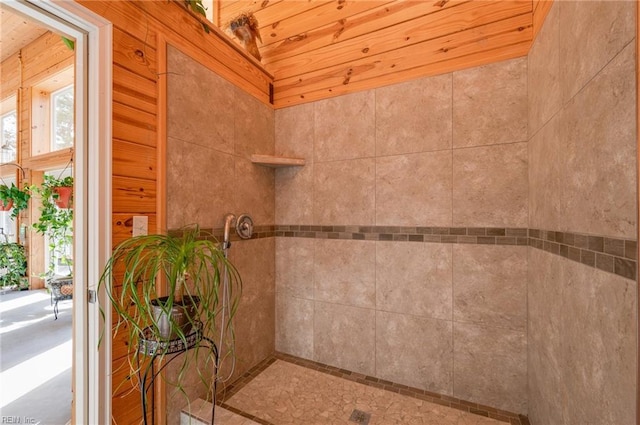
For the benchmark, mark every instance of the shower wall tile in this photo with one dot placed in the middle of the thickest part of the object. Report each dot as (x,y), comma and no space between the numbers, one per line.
(601,176)
(294,195)
(294,129)
(344,272)
(413,190)
(294,326)
(490,186)
(591,34)
(200,104)
(254,126)
(189,173)
(414,116)
(254,191)
(345,127)
(598,330)
(344,192)
(414,279)
(424,361)
(490,285)
(254,322)
(547,205)
(490,104)
(294,267)
(344,337)
(543,67)
(490,366)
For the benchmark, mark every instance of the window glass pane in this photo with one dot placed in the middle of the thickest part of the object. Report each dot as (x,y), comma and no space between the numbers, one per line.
(62,122)
(8,144)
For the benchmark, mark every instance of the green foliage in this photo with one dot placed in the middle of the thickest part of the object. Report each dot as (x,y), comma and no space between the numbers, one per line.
(71,45)
(188,263)
(13,260)
(19,197)
(198,7)
(54,222)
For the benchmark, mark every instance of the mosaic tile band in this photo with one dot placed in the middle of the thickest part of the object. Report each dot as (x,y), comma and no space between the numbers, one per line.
(613,255)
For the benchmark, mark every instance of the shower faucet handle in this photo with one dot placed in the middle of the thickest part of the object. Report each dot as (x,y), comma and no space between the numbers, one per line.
(244,226)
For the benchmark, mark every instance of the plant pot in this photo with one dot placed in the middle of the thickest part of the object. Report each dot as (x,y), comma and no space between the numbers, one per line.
(63,200)
(183,316)
(7,206)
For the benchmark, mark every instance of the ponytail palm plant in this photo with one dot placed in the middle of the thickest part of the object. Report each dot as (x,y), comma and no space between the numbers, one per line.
(171,288)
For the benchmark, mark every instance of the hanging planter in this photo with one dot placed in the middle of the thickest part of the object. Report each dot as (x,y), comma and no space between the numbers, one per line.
(63,195)
(6,205)
(12,197)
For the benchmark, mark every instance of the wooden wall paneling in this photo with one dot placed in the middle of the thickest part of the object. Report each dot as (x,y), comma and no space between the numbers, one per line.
(133,125)
(462,19)
(541,9)
(45,57)
(327,14)
(129,88)
(230,9)
(122,226)
(134,160)
(48,161)
(40,122)
(351,27)
(9,76)
(374,69)
(131,195)
(24,125)
(134,55)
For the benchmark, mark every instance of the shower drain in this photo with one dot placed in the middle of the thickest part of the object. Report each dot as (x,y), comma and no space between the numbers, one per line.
(360,417)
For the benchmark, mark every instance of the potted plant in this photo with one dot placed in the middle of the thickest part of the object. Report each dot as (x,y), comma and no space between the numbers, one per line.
(55,222)
(14,197)
(166,288)
(13,265)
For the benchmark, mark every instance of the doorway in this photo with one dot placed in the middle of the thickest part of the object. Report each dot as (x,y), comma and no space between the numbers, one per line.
(91,171)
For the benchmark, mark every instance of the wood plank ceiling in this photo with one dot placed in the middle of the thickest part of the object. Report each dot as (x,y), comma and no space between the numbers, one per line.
(317,49)
(16,32)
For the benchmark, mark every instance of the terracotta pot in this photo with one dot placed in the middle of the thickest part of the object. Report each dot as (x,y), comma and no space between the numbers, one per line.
(64,196)
(7,206)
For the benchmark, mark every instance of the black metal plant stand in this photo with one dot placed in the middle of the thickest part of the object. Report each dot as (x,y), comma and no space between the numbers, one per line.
(149,346)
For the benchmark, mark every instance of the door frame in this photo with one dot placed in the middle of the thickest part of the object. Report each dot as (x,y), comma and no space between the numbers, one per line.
(91,381)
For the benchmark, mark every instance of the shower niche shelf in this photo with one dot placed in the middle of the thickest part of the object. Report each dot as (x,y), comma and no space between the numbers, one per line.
(277,161)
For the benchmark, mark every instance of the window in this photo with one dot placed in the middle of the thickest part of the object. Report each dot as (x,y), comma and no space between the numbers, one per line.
(59,252)
(9,137)
(62,119)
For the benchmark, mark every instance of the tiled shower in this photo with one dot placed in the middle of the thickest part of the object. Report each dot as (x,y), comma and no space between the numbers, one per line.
(472,234)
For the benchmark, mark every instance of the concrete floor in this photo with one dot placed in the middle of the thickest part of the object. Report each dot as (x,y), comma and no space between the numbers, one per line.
(35,359)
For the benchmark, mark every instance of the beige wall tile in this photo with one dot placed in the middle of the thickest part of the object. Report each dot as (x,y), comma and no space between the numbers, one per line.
(344,192)
(253,191)
(294,128)
(254,126)
(345,337)
(414,190)
(490,366)
(591,34)
(546,180)
(415,351)
(197,192)
(414,278)
(344,272)
(490,285)
(294,267)
(545,364)
(599,136)
(490,104)
(414,116)
(490,186)
(598,330)
(345,127)
(294,326)
(543,68)
(200,104)
(294,195)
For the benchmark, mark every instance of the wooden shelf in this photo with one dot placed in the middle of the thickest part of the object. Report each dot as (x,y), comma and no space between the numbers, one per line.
(277,161)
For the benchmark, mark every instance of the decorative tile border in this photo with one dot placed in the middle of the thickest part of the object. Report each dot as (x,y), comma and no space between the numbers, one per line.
(618,256)
(474,408)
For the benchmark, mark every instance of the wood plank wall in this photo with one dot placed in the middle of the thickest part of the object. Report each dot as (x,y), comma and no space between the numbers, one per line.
(139,33)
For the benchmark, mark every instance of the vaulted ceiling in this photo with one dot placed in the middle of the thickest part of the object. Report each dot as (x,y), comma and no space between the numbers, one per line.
(318,48)
(16,32)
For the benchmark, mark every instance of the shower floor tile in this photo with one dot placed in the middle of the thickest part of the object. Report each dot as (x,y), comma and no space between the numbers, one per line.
(288,394)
